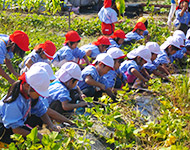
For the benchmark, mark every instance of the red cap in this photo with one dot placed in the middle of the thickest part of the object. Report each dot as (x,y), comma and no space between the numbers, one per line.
(119,34)
(104,40)
(21,39)
(107,3)
(72,36)
(140,26)
(48,48)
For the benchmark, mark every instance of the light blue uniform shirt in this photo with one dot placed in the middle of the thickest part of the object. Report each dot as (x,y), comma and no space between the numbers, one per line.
(145,32)
(35,57)
(89,70)
(127,65)
(150,67)
(57,91)
(184,19)
(133,36)
(3,51)
(179,54)
(113,43)
(94,49)
(107,15)
(12,114)
(162,58)
(68,54)
(109,79)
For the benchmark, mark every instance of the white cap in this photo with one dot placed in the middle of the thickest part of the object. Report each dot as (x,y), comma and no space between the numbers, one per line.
(38,79)
(188,33)
(153,47)
(179,33)
(170,41)
(67,71)
(106,59)
(141,51)
(47,67)
(116,53)
(180,41)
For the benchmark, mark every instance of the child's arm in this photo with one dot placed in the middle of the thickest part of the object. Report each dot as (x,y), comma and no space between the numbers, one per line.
(110,94)
(57,116)
(145,73)
(29,63)
(6,76)
(185,6)
(86,59)
(89,80)
(68,106)
(45,118)
(10,67)
(24,132)
(164,69)
(138,75)
(88,52)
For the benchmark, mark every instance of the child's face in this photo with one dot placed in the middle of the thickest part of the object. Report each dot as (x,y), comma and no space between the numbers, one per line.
(116,64)
(120,41)
(172,50)
(184,4)
(103,69)
(141,61)
(43,56)
(154,56)
(74,45)
(71,84)
(103,48)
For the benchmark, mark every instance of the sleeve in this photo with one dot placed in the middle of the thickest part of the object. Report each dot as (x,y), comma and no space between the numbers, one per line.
(39,109)
(65,95)
(79,53)
(113,16)
(95,52)
(63,54)
(34,57)
(2,55)
(150,67)
(13,115)
(177,14)
(145,33)
(130,67)
(163,60)
(108,80)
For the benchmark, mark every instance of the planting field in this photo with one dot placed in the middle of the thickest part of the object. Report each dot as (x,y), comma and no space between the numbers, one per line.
(155,118)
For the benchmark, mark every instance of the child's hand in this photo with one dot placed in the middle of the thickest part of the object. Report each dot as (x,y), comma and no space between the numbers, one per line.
(54,128)
(82,104)
(102,86)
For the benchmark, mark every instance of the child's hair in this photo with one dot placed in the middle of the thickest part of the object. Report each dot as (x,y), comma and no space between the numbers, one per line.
(120,60)
(16,49)
(39,51)
(13,92)
(98,63)
(73,80)
(72,42)
(116,39)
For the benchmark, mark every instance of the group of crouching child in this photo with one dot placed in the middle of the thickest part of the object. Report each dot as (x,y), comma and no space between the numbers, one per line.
(39,95)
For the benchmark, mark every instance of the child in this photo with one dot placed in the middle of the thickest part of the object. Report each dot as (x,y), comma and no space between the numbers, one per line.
(59,91)
(117,39)
(182,16)
(187,42)
(168,48)
(51,113)
(152,67)
(108,17)
(91,74)
(171,13)
(145,33)
(132,67)
(16,43)
(70,51)
(21,100)
(136,34)
(47,67)
(114,78)
(41,53)
(95,48)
